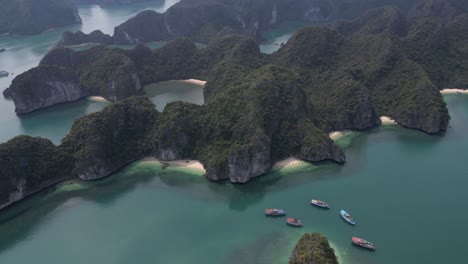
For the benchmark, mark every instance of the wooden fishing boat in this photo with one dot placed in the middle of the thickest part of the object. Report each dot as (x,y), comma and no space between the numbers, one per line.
(275,212)
(363,243)
(320,204)
(294,222)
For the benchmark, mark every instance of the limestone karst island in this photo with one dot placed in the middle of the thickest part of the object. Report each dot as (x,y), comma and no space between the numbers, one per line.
(233,131)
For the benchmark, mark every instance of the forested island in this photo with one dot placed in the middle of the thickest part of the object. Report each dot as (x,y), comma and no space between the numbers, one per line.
(258,108)
(25,17)
(313,249)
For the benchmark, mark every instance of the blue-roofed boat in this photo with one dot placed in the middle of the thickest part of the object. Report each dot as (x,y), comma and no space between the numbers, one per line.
(347,217)
(275,212)
(320,204)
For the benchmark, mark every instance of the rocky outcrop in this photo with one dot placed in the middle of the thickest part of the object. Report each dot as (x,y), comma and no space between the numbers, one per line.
(28,165)
(26,17)
(52,85)
(313,249)
(78,38)
(64,75)
(105,141)
(144,27)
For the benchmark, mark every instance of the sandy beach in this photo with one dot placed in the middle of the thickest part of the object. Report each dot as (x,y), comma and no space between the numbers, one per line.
(454,91)
(289,163)
(194,81)
(336,135)
(98,99)
(187,164)
(387,120)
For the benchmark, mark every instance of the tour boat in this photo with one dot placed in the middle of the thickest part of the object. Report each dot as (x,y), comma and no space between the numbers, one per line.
(347,217)
(363,243)
(294,222)
(4,73)
(275,212)
(320,204)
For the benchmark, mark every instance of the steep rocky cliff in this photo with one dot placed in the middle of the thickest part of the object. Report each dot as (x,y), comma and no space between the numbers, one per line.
(64,75)
(144,27)
(103,142)
(313,249)
(27,165)
(25,17)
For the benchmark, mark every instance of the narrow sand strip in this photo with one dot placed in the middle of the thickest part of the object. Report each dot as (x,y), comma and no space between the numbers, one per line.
(187,164)
(387,120)
(194,81)
(98,99)
(454,91)
(336,135)
(289,163)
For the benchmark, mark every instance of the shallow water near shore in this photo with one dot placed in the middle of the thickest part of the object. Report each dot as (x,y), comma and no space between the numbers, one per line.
(393,180)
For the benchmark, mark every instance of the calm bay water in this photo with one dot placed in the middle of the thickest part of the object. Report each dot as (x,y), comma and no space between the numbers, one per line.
(405,189)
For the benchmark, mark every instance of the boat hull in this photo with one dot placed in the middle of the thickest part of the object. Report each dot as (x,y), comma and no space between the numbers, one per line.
(320,204)
(345,216)
(363,243)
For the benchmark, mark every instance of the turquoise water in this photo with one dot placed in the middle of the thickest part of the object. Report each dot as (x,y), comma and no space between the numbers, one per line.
(405,189)
(171,91)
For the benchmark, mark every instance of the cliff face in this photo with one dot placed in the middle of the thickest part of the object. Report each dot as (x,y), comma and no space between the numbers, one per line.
(52,85)
(105,141)
(27,165)
(145,27)
(25,17)
(64,76)
(313,249)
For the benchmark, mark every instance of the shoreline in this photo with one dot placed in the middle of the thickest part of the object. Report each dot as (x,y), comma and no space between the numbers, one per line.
(337,135)
(192,81)
(387,120)
(98,99)
(194,165)
(289,163)
(454,91)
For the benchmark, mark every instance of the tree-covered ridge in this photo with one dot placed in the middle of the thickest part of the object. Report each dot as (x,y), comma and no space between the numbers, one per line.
(34,16)
(313,249)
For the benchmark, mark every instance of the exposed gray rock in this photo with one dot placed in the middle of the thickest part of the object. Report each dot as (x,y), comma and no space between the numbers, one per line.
(51,85)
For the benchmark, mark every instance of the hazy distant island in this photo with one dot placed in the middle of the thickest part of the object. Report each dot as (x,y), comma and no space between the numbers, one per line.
(202,20)
(24,17)
(313,249)
(258,108)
